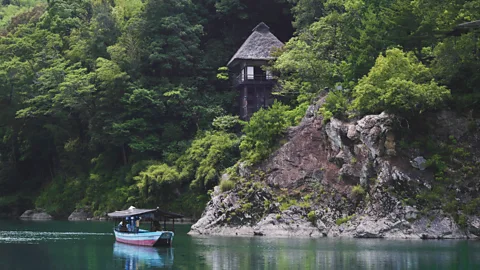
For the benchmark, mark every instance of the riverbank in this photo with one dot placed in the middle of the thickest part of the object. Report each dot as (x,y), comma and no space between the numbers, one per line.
(77,215)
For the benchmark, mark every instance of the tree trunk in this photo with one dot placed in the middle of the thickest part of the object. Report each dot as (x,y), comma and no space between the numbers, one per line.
(10,98)
(124,154)
(14,155)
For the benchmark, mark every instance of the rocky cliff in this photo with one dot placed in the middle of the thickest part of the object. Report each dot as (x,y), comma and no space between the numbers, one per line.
(378,176)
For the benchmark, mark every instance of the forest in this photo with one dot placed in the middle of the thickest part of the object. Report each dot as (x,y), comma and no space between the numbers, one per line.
(110,103)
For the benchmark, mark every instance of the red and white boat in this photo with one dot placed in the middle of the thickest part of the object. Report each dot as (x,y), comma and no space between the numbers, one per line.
(128,230)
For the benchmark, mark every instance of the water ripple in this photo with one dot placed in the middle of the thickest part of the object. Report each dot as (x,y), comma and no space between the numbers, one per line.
(37,236)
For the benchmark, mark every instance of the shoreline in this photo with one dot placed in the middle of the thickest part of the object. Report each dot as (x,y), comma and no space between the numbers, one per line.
(80,220)
(412,237)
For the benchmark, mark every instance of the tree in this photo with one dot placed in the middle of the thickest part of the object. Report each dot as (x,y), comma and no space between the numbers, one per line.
(456,61)
(314,60)
(307,12)
(398,83)
(263,132)
(207,157)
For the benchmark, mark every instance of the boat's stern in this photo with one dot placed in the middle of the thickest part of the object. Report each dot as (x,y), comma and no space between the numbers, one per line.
(165,239)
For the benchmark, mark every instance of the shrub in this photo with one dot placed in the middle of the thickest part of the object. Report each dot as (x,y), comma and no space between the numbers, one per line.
(471,207)
(336,104)
(305,204)
(312,216)
(227,123)
(398,83)
(266,204)
(462,221)
(307,197)
(246,207)
(358,191)
(340,221)
(209,154)
(436,162)
(451,207)
(263,131)
(226,185)
(285,205)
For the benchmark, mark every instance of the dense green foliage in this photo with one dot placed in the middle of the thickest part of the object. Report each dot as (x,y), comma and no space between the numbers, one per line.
(264,131)
(207,157)
(338,43)
(111,103)
(398,83)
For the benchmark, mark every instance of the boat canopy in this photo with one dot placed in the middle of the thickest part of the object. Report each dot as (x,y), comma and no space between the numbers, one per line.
(151,213)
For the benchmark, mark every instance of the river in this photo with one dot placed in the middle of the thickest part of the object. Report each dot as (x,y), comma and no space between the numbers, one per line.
(90,245)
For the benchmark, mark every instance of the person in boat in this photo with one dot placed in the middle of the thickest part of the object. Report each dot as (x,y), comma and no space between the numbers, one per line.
(156,226)
(122,226)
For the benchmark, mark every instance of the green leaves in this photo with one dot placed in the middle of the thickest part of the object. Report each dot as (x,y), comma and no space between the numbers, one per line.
(227,123)
(313,60)
(155,178)
(398,83)
(207,157)
(336,105)
(222,74)
(455,63)
(76,91)
(264,131)
(173,37)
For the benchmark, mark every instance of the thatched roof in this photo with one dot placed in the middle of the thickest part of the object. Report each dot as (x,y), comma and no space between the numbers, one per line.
(258,45)
(132,211)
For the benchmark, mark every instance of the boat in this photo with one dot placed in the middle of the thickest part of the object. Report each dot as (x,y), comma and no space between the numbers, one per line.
(128,230)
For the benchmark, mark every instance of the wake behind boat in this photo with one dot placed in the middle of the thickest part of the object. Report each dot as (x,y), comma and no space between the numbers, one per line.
(128,230)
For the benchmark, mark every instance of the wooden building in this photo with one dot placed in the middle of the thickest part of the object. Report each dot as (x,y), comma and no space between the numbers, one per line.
(253,83)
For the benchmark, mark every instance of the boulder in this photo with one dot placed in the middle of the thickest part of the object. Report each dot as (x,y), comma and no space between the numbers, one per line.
(36,214)
(419,163)
(213,216)
(474,225)
(411,213)
(244,170)
(438,227)
(373,130)
(371,229)
(80,214)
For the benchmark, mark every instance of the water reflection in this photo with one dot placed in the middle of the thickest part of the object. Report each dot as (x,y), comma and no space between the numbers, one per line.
(290,253)
(91,245)
(138,257)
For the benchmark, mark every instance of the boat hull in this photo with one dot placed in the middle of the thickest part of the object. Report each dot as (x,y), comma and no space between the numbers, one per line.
(159,238)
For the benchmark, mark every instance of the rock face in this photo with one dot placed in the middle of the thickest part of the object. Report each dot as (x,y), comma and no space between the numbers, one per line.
(357,180)
(80,214)
(36,214)
(290,222)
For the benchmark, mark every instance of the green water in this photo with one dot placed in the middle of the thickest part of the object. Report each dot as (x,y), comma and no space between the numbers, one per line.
(91,245)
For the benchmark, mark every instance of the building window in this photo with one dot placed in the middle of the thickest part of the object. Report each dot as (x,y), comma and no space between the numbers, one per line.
(269,75)
(250,73)
(242,76)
